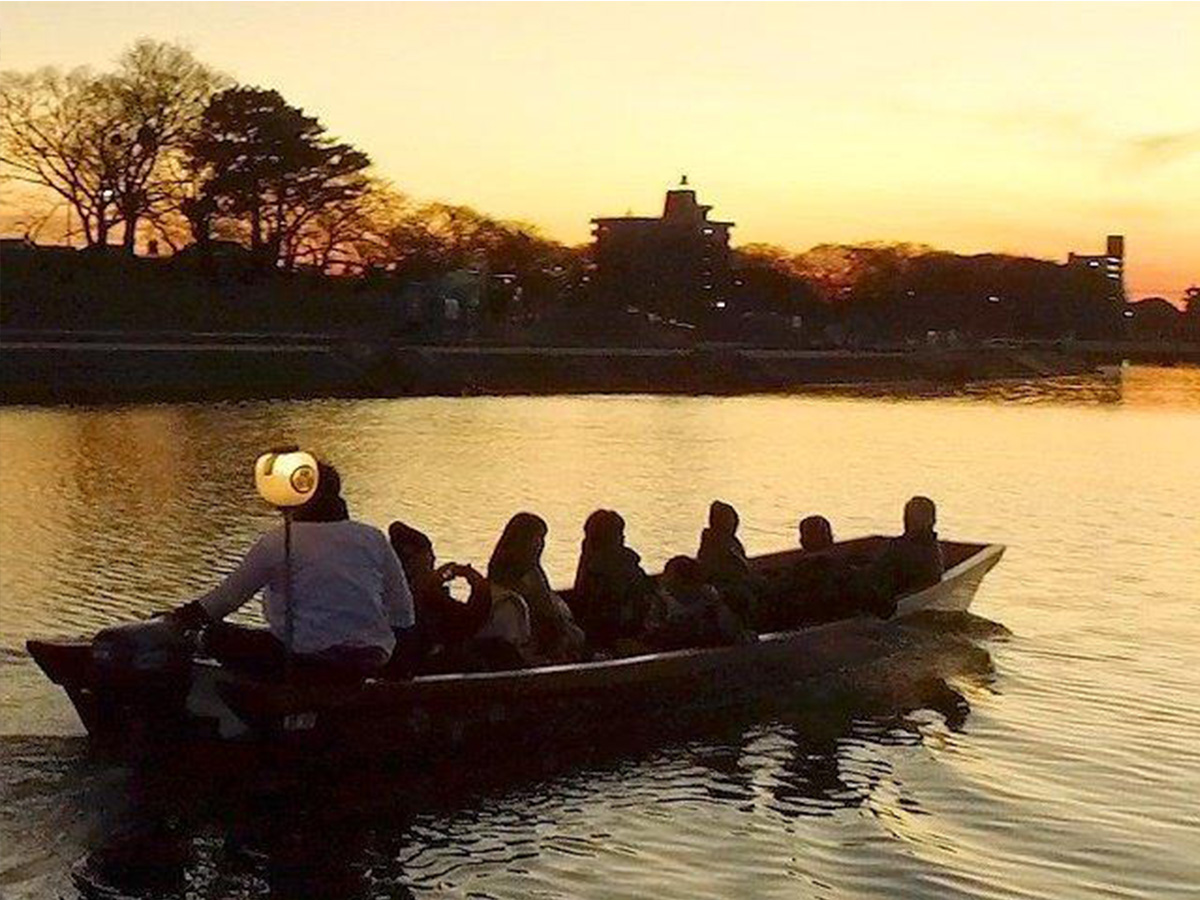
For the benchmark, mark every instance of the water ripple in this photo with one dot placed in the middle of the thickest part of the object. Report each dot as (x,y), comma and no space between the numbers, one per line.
(1055,756)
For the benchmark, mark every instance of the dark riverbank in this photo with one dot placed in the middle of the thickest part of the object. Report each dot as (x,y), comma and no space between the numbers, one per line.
(100,369)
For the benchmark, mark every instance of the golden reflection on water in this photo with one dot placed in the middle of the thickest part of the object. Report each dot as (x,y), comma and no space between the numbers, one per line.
(1093,483)
(121,510)
(113,510)
(1128,386)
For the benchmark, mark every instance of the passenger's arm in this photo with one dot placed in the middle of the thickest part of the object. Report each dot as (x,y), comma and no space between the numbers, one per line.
(252,573)
(397,596)
(479,603)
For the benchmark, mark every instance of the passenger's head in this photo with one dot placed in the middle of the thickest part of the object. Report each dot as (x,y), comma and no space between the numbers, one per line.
(816,534)
(722,518)
(414,549)
(920,515)
(326,503)
(681,571)
(604,529)
(519,548)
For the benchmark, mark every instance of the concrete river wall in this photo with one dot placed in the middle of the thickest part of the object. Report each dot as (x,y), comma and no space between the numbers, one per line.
(100,369)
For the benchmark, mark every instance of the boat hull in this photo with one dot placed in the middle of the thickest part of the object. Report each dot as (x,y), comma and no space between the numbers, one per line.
(437,714)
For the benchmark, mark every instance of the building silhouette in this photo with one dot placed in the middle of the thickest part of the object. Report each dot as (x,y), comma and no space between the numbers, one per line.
(676,265)
(1110,266)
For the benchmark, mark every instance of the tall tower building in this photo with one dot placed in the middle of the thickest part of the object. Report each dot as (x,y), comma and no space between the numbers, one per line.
(676,264)
(1111,265)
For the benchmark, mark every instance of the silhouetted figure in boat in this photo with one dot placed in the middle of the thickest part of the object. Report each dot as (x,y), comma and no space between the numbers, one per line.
(816,534)
(808,591)
(693,612)
(912,561)
(825,585)
(723,563)
(515,571)
(348,596)
(722,555)
(444,625)
(613,594)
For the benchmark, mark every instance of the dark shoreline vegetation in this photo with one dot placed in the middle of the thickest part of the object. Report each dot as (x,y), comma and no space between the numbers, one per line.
(217,214)
(87,327)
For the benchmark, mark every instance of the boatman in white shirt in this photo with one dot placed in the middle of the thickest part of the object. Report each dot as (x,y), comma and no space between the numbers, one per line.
(348,597)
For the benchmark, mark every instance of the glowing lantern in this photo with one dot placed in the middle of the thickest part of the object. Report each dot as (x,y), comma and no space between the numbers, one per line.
(286,478)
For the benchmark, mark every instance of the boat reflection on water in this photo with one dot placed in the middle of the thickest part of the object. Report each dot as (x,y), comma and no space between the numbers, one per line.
(369,831)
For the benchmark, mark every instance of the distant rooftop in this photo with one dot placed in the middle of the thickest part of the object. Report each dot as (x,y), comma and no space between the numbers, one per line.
(680,206)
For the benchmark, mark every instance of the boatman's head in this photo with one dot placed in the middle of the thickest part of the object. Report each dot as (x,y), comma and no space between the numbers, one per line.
(326,503)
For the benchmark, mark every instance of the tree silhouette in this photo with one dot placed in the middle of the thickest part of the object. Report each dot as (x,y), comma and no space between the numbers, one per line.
(1191,311)
(108,144)
(269,165)
(350,234)
(767,279)
(162,91)
(54,134)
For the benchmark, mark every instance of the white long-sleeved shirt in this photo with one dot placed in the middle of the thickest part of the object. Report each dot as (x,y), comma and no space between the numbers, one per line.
(347,588)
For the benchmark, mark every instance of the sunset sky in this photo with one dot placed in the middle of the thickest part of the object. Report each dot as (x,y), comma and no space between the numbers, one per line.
(1030,128)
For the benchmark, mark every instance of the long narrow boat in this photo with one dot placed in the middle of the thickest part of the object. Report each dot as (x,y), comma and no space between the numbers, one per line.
(442,713)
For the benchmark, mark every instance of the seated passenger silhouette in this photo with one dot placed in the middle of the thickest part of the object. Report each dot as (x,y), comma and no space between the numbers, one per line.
(693,613)
(613,594)
(806,592)
(723,563)
(913,561)
(515,571)
(444,625)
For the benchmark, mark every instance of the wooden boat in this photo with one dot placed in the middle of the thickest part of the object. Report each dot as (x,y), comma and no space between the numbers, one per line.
(436,714)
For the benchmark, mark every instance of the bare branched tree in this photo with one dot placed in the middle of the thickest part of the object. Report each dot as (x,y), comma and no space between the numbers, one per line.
(350,234)
(53,130)
(105,143)
(161,91)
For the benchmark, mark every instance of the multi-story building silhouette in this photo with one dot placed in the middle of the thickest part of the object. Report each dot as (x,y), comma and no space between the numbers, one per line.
(676,265)
(1110,265)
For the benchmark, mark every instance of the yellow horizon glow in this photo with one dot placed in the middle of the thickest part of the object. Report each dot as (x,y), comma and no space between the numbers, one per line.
(1023,128)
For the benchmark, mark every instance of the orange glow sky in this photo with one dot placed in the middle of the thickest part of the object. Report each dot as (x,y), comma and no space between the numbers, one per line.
(1032,128)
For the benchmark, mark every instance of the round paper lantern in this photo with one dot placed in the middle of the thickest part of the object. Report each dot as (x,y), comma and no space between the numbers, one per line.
(287,478)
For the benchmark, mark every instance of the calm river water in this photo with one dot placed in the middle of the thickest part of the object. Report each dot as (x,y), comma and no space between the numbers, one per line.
(1060,761)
